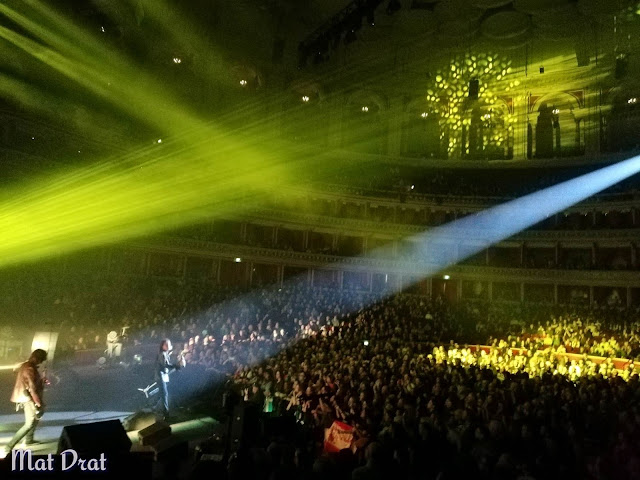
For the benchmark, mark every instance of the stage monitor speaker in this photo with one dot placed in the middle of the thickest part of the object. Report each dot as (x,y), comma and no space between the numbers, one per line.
(245,425)
(154,433)
(107,437)
(474,88)
(139,420)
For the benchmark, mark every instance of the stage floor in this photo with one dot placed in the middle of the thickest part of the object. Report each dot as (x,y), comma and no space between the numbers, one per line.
(89,394)
(51,425)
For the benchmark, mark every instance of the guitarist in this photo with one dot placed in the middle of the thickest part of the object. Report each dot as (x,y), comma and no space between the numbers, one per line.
(28,395)
(163,367)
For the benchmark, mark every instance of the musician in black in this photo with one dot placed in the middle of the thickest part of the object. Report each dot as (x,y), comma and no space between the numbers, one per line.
(163,367)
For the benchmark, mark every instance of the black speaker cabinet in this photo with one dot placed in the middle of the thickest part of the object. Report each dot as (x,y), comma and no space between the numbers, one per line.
(106,437)
(245,425)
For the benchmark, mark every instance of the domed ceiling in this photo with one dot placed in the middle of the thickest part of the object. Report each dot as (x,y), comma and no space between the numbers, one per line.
(421,35)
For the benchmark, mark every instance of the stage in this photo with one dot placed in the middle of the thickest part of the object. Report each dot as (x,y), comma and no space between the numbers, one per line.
(88,394)
(51,425)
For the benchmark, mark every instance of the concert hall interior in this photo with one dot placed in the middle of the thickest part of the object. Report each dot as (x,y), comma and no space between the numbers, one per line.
(321,239)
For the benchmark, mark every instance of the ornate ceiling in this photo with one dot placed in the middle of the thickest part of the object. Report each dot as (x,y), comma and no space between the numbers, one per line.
(410,43)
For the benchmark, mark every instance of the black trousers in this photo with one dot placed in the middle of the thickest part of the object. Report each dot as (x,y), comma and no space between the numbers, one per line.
(164,397)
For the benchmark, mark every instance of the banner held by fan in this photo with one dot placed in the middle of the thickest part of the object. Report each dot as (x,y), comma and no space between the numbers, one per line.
(338,437)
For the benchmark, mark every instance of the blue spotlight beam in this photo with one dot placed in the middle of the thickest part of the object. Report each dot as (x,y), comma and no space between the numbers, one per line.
(503,221)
